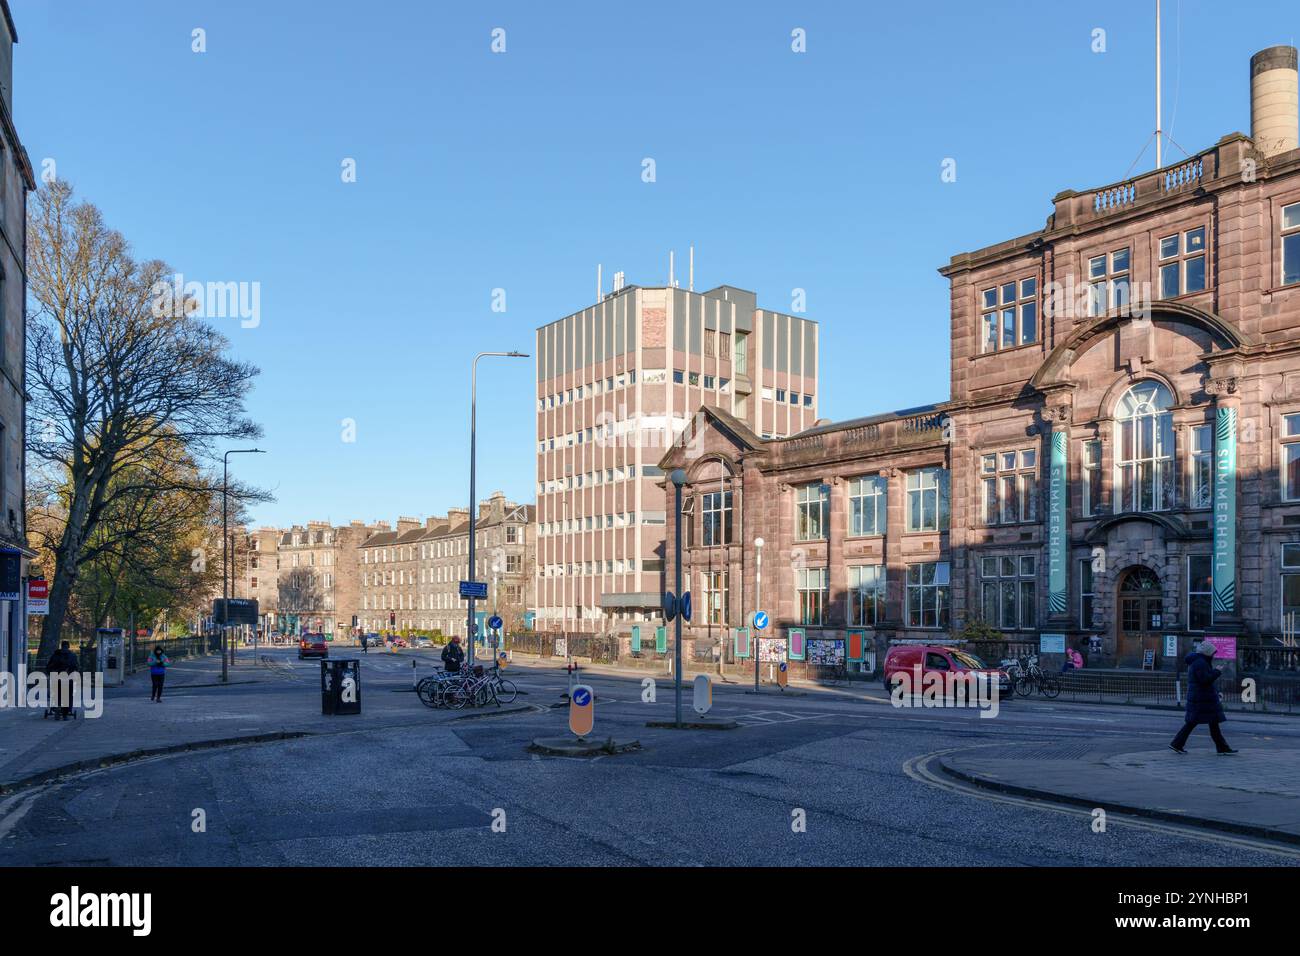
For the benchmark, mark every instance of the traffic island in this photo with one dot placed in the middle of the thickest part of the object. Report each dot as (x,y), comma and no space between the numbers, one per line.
(698,723)
(581,746)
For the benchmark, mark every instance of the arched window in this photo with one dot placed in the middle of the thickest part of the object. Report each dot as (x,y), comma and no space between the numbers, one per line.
(1144,449)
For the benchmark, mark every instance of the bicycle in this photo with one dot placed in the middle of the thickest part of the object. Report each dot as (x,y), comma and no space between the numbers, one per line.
(505,689)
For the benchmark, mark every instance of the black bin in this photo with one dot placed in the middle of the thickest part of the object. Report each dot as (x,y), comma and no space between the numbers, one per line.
(340,686)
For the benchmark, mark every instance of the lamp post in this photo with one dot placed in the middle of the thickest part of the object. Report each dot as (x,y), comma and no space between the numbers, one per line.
(678,478)
(225,595)
(473,506)
(758,601)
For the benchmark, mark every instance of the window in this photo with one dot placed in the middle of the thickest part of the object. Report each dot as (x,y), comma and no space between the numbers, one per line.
(812,510)
(1290,587)
(1291,244)
(740,361)
(1108,282)
(1144,449)
(1009,315)
(1199,591)
(927,499)
(867,500)
(810,584)
(1008,591)
(1200,494)
(866,595)
(927,595)
(1086,594)
(715,516)
(1291,457)
(710,343)
(678,376)
(1182,267)
(780,395)
(1092,479)
(715,597)
(1010,485)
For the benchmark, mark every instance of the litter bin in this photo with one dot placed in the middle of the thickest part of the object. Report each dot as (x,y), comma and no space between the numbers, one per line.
(340,686)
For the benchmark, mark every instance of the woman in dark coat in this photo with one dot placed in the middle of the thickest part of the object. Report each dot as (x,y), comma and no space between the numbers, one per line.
(1203,706)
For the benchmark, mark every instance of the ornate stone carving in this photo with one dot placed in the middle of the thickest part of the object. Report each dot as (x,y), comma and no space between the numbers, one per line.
(1221,386)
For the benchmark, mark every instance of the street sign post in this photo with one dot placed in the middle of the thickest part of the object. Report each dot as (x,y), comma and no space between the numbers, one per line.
(582,711)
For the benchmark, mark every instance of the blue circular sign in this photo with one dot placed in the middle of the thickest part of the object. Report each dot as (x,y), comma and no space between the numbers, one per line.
(783,665)
(581,697)
(760,619)
(686,606)
(494,622)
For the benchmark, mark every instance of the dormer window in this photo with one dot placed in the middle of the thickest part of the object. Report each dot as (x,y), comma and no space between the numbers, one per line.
(1009,315)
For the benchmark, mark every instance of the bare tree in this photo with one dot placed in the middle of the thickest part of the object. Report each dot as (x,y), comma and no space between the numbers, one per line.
(118,384)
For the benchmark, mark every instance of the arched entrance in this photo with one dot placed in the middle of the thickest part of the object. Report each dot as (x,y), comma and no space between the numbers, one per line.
(1140,605)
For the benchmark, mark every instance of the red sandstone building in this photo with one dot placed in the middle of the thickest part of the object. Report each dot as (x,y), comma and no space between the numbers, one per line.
(1118,464)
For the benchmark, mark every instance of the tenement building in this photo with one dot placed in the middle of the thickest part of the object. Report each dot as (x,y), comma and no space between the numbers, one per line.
(616,384)
(16,180)
(317,577)
(410,576)
(1117,467)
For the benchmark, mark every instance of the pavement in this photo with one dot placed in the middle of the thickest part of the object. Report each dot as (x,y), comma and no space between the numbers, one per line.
(258,702)
(1256,791)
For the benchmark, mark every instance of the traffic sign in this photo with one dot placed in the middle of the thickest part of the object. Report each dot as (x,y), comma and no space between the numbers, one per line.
(686,606)
(703,694)
(494,622)
(473,589)
(582,711)
(760,620)
(782,674)
(670,605)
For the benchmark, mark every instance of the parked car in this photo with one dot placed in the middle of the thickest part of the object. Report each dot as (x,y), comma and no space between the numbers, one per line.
(312,645)
(424,642)
(904,658)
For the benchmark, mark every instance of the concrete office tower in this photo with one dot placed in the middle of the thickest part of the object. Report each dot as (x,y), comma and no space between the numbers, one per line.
(616,384)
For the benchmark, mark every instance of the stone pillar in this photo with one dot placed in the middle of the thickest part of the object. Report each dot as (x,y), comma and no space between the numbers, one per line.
(892,556)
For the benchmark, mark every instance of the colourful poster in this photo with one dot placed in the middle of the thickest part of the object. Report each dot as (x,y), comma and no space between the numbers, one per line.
(1058,499)
(1225,512)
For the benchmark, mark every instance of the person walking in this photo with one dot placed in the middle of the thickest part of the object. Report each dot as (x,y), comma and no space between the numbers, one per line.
(1203,704)
(365,644)
(452,655)
(158,662)
(62,661)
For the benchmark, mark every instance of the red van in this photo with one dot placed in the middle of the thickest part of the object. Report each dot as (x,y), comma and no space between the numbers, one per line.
(312,645)
(905,658)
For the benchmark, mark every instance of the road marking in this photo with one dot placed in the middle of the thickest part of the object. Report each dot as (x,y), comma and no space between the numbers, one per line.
(918,768)
(14,809)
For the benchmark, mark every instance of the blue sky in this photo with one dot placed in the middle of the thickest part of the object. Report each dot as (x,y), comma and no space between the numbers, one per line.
(522,171)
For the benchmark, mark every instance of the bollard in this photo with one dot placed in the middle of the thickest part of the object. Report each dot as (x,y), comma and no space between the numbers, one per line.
(415,678)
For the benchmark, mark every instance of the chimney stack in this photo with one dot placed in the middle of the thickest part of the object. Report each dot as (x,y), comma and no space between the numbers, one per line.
(1274,100)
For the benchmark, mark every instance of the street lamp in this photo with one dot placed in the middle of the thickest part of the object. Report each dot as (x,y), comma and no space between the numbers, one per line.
(473,506)
(225,594)
(758,601)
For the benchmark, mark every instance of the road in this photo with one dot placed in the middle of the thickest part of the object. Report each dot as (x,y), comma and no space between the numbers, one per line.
(420,793)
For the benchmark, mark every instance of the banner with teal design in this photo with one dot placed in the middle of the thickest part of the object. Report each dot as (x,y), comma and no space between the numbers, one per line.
(1058,500)
(1225,511)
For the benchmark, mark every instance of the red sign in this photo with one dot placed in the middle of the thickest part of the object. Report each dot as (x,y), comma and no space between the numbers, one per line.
(38,596)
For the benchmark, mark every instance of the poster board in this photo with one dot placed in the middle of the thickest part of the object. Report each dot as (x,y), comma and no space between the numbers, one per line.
(771,650)
(825,651)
